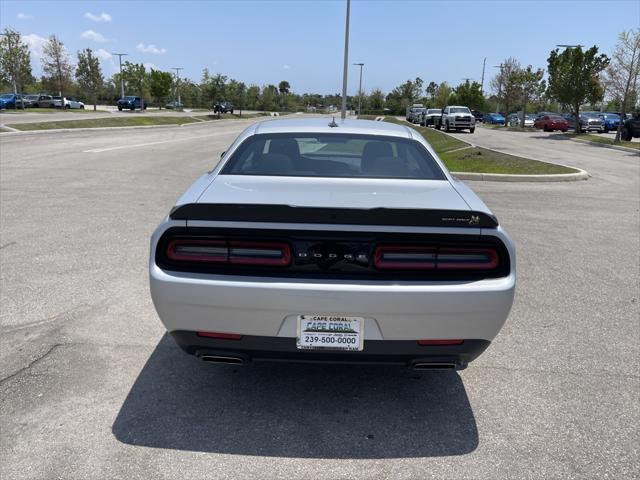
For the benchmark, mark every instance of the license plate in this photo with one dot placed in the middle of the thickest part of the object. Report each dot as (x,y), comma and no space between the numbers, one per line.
(330,332)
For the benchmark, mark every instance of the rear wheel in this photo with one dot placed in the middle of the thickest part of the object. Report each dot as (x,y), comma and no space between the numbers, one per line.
(119,108)
(67,107)
(625,134)
(545,128)
(471,130)
(446,127)
(81,107)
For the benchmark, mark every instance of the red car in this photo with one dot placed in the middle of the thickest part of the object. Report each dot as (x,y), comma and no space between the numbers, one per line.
(549,123)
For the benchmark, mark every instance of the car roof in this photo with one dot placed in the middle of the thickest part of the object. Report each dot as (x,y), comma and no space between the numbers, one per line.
(321,125)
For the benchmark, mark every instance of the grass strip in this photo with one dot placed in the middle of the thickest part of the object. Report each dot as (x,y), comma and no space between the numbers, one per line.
(140,121)
(440,142)
(481,160)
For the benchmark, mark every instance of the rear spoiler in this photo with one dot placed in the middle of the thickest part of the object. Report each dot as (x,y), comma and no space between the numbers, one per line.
(232,212)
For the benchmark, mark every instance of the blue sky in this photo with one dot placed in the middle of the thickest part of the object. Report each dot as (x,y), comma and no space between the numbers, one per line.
(302,41)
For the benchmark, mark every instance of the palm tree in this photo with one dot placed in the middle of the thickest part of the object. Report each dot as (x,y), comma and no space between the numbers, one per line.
(283,88)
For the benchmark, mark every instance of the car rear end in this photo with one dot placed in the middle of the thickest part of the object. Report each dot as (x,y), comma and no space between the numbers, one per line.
(368,277)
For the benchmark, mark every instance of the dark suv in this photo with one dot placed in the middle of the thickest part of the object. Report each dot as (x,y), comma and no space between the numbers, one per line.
(223,107)
(631,128)
(131,103)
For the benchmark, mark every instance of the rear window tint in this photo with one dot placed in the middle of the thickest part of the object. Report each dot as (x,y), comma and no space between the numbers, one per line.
(333,155)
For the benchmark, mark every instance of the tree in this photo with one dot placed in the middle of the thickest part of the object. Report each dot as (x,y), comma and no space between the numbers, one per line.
(160,85)
(623,72)
(443,94)
(56,64)
(135,75)
(214,86)
(532,87)
(432,90)
(506,84)
(253,97)
(269,98)
(283,88)
(376,100)
(89,75)
(470,95)
(237,94)
(573,77)
(15,63)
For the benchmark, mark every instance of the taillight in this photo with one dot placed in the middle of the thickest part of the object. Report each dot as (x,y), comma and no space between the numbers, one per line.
(467,259)
(407,257)
(220,335)
(211,251)
(273,254)
(234,252)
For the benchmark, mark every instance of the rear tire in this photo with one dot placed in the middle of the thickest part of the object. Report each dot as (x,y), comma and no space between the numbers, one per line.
(67,107)
(446,127)
(545,128)
(471,130)
(119,108)
(81,107)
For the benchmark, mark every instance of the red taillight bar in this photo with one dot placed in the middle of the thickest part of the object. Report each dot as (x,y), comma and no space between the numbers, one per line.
(408,257)
(221,335)
(441,342)
(234,252)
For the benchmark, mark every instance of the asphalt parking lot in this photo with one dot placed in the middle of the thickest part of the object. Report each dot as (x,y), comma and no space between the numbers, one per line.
(91,387)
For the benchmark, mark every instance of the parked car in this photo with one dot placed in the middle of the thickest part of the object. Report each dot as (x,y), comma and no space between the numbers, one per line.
(415,113)
(428,116)
(630,129)
(256,262)
(493,118)
(550,123)
(67,103)
(589,122)
(477,115)
(515,120)
(131,102)
(223,107)
(410,113)
(39,100)
(456,118)
(10,100)
(610,121)
(175,105)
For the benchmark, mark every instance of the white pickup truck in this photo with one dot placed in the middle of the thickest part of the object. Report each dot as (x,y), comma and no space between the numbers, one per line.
(456,118)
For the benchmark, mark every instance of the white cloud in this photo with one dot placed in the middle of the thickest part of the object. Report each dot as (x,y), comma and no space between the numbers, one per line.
(93,36)
(36,44)
(102,54)
(103,17)
(24,16)
(150,49)
(286,67)
(150,65)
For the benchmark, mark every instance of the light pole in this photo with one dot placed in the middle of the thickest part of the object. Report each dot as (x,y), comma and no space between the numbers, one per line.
(120,55)
(177,69)
(346,64)
(360,89)
(484,62)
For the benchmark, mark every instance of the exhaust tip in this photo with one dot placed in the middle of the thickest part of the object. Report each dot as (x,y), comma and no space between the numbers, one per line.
(434,366)
(222,359)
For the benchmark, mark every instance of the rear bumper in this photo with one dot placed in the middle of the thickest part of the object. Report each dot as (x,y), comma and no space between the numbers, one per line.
(380,352)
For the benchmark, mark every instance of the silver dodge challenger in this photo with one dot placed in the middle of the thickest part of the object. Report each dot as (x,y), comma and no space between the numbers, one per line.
(321,241)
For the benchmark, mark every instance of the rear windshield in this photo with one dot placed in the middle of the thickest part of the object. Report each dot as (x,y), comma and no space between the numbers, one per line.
(434,110)
(333,155)
(459,110)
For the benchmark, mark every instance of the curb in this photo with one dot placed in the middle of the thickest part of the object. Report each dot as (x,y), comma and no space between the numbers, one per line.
(504,177)
(606,145)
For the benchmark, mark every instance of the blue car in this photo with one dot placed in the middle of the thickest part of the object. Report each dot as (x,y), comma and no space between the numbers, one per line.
(493,118)
(610,121)
(8,100)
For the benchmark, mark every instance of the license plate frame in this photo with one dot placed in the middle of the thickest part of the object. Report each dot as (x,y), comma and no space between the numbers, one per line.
(343,333)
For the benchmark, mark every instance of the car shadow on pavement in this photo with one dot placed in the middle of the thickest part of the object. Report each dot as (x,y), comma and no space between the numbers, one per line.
(295,410)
